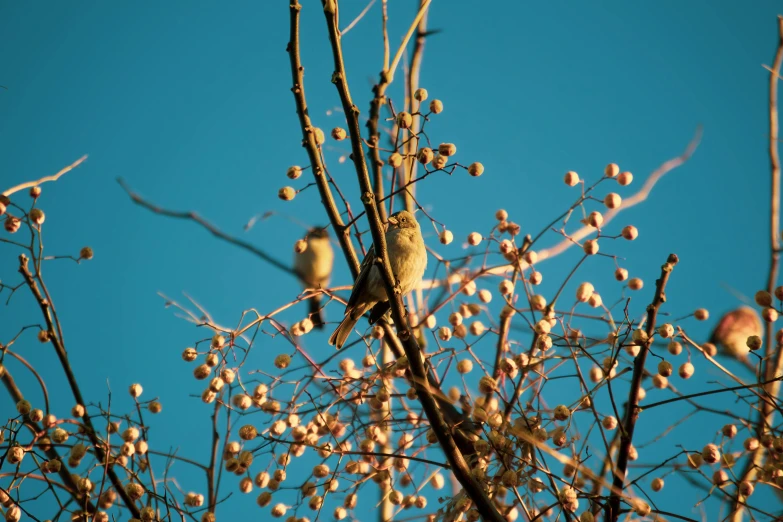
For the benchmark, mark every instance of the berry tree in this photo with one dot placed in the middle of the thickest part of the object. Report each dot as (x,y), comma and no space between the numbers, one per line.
(483,395)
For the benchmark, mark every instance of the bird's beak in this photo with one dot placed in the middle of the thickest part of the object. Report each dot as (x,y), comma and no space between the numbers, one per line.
(393,221)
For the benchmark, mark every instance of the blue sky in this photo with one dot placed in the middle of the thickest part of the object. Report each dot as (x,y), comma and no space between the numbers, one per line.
(189,102)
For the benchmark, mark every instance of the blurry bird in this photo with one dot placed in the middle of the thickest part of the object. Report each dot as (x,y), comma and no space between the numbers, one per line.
(314,268)
(408,258)
(732,331)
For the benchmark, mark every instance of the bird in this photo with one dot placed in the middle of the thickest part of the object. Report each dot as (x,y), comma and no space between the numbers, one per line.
(408,259)
(733,329)
(313,266)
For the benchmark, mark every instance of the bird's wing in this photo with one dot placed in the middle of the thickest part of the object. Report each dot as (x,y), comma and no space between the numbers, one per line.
(361,279)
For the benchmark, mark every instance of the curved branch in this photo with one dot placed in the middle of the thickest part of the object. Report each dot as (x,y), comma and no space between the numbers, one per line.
(215,231)
(35,373)
(53,177)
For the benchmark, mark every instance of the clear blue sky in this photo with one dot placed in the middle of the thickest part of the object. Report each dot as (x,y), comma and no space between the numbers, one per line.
(190,103)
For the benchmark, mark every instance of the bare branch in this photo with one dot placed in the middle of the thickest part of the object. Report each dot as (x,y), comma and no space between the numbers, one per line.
(215,231)
(45,179)
(632,408)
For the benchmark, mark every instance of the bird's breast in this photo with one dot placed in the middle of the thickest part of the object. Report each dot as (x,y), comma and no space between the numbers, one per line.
(408,257)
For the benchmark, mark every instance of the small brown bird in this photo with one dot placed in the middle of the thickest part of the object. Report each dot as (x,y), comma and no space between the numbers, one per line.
(408,258)
(732,331)
(314,268)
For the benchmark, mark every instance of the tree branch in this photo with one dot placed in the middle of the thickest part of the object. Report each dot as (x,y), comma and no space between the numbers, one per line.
(215,231)
(632,408)
(53,177)
(639,197)
(308,142)
(51,452)
(772,365)
(62,355)
(436,420)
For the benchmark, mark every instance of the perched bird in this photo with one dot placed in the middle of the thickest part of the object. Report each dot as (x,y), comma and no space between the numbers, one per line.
(313,265)
(732,332)
(408,258)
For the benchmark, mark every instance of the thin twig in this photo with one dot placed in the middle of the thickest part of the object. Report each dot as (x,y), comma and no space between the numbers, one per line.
(215,231)
(45,179)
(359,17)
(422,9)
(643,407)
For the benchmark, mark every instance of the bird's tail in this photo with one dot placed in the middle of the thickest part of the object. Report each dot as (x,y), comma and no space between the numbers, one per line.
(316,312)
(342,332)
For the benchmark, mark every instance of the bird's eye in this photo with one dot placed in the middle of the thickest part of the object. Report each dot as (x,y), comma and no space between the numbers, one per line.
(403,220)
